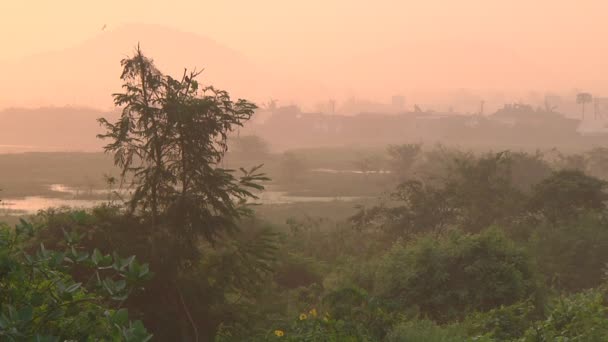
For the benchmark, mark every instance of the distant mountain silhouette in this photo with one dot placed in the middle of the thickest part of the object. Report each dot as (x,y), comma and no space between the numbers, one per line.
(87,74)
(51,101)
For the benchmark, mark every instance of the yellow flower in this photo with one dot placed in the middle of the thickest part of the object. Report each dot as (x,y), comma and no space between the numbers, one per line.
(313,312)
(303,317)
(279,333)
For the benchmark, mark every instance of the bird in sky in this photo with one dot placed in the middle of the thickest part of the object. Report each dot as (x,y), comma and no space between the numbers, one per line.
(104,27)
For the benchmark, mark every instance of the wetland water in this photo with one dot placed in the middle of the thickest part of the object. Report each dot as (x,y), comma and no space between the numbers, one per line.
(79,198)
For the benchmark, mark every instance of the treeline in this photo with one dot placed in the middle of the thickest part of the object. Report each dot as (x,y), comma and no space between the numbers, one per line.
(498,247)
(514,126)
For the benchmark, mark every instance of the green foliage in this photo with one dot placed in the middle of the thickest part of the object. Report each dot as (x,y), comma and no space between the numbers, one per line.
(427,331)
(570,161)
(447,276)
(186,212)
(42,301)
(355,271)
(420,207)
(354,305)
(475,193)
(342,301)
(426,208)
(169,140)
(597,162)
(402,158)
(566,193)
(481,191)
(307,327)
(220,286)
(572,254)
(528,169)
(580,317)
(436,163)
(504,323)
(296,271)
(223,275)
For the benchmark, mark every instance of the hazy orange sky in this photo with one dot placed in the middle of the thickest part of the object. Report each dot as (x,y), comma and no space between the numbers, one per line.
(446,44)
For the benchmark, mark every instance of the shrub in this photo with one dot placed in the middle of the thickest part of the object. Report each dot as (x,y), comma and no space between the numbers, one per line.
(41,301)
(427,331)
(505,323)
(307,327)
(354,305)
(572,255)
(447,276)
(580,317)
(296,271)
(528,169)
(567,193)
(474,194)
(219,287)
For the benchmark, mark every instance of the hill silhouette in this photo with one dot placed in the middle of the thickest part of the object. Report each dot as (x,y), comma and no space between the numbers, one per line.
(88,73)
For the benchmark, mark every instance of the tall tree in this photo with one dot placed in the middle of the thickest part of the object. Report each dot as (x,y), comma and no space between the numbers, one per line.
(566,194)
(402,158)
(582,99)
(169,141)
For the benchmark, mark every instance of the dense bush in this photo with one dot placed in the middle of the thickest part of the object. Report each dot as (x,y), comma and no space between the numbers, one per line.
(449,275)
(428,331)
(401,159)
(580,317)
(572,255)
(296,271)
(219,287)
(40,300)
(309,326)
(474,193)
(504,323)
(355,306)
(567,193)
(527,170)
(480,191)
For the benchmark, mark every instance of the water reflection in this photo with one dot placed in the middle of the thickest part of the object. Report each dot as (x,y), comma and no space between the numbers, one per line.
(33,204)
